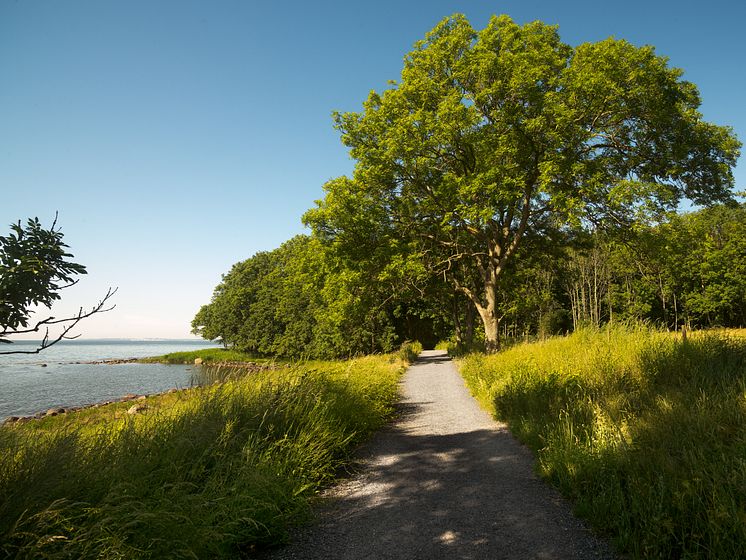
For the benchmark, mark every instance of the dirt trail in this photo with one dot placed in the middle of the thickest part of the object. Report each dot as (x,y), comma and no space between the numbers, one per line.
(445,481)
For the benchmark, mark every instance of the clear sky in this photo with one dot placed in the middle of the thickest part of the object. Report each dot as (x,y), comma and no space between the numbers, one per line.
(177,138)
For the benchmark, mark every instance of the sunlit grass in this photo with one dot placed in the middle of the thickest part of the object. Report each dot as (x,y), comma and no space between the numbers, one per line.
(410,350)
(645,432)
(208,472)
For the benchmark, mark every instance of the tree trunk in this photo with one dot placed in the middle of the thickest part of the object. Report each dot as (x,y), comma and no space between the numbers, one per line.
(663,301)
(488,314)
(491,330)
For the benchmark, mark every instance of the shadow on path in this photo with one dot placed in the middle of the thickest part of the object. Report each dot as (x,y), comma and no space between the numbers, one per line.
(444,481)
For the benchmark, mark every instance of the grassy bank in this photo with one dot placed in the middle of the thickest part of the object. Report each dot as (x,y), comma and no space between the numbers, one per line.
(208,472)
(646,433)
(207,355)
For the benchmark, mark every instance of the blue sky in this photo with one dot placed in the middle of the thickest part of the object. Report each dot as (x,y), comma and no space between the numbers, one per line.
(177,138)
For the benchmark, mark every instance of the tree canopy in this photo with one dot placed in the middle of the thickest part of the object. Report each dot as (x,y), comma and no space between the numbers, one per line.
(494,136)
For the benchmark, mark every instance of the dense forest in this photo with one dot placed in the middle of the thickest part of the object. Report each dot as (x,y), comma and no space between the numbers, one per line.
(305,299)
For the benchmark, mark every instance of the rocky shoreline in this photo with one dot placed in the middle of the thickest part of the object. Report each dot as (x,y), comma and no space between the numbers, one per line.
(139,405)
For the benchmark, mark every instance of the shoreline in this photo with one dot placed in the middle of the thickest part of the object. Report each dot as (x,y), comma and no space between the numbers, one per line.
(253,367)
(56,411)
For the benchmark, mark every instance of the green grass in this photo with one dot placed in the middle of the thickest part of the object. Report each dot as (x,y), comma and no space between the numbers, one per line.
(644,432)
(212,472)
(409,351)
(207,355)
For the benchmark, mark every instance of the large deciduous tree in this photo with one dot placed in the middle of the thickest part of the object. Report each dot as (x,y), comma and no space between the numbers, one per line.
(493,135)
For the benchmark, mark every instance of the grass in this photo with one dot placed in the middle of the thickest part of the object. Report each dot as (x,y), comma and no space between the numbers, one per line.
(409,351)
(208,355)
(644,432)
(211,472)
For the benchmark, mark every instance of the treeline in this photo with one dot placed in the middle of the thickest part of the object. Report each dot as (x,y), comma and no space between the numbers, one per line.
(690,270)
(308,298)
(302,300)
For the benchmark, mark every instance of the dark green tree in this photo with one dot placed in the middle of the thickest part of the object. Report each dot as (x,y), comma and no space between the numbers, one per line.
(300,300)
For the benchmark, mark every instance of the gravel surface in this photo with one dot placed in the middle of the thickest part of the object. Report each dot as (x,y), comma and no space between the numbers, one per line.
(444,481)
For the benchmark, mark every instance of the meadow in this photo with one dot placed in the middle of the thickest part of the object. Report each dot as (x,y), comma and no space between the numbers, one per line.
(643,431)
(209,472)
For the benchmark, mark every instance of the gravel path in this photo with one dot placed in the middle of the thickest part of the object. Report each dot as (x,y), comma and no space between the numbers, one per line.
(444,481)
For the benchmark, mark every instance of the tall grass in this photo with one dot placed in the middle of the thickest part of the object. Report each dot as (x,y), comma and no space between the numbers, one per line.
(211,472)
(409,351)
(645,432)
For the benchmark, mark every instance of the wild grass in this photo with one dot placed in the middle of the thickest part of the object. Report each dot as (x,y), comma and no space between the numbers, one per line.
(409,351)
(210,472)
(207,355)
(646,433)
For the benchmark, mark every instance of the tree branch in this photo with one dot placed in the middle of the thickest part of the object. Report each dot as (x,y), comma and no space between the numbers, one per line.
(100,307)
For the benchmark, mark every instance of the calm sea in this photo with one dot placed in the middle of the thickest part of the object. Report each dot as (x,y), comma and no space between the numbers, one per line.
(30,383)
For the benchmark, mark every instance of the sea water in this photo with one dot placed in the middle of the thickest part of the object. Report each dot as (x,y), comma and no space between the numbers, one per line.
(58,376)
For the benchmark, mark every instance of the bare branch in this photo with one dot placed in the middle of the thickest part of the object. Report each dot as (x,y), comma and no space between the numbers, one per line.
(468,293)
(70,285)
(69,324)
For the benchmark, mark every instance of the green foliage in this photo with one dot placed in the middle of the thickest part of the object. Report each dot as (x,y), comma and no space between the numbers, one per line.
(704,262)
(690,270)
(494,136)
(34,267)
(646,433)
(301,301)
(215,473)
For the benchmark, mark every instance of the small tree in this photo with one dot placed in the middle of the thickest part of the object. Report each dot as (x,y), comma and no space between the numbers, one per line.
(34,268)
(493,135)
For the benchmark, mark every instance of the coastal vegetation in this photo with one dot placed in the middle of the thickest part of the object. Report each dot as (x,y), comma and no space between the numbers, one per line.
(687,271)
(207,355)
(644,431)
(208,472)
